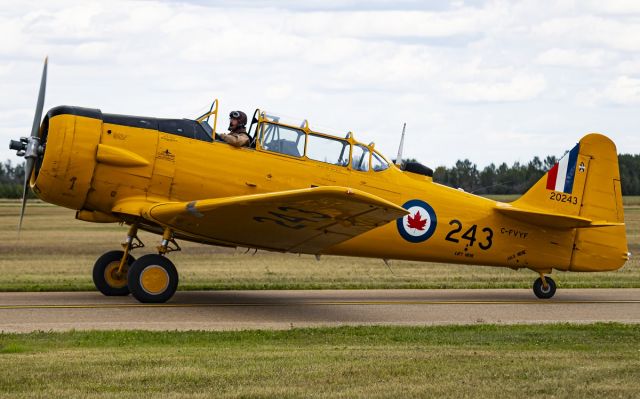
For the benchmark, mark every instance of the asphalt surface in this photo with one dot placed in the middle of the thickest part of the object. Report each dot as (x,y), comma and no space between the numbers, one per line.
(234,310)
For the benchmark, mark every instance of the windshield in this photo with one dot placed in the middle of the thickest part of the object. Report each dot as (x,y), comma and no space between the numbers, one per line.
(209,118)
(378,163)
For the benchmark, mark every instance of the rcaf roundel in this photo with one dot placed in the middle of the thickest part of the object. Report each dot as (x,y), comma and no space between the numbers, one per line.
(419,224)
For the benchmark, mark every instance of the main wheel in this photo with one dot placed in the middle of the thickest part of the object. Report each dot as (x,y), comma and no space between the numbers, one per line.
(544,293)
(153,279)
(106,277)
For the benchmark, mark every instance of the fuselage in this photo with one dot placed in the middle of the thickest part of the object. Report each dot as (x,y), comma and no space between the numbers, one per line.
(96,163)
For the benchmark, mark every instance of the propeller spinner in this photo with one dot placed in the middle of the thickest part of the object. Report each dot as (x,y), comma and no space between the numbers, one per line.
(29,147)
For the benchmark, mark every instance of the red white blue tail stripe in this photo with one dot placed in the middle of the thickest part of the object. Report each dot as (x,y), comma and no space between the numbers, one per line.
(560,177)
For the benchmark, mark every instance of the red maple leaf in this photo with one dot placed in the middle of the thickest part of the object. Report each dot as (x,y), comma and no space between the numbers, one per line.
(416,222)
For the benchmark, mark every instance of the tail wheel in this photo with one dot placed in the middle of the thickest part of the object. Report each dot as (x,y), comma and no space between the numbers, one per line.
(106,277)
(153,279)
(540,290)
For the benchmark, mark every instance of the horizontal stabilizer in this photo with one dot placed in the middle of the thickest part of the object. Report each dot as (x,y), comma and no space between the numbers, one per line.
(549,219)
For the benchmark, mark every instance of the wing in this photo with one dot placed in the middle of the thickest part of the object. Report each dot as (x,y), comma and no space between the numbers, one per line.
(306,221)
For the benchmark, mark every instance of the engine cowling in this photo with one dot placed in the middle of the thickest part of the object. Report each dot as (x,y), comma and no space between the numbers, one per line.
(69,137)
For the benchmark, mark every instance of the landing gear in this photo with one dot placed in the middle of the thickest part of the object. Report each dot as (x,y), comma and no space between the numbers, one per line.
(108,277)
(150,279)
(111,269)
(153,279)
(544,287)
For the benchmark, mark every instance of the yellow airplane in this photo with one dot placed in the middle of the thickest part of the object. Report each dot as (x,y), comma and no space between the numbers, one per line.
(298,190)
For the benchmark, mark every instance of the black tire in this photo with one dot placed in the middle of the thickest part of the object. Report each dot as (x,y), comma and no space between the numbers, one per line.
(541,292)
(104,277)
(153,269)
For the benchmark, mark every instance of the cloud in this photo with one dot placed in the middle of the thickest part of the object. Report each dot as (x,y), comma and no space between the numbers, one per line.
(518,88)
(624,90)
(572,58)
(392,24)
(590,30)
(473,79)
(624,8)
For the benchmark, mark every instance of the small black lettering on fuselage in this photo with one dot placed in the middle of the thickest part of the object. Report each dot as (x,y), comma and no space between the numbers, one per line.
(517,254)
(514,233)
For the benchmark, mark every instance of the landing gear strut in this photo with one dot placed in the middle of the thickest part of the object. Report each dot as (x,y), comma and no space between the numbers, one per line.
(544,287)
(153,278)
(110,270)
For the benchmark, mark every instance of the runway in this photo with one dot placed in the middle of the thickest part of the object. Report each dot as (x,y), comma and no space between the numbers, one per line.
(234,310)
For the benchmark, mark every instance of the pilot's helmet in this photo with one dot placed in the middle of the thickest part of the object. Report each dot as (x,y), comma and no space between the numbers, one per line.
(240,116)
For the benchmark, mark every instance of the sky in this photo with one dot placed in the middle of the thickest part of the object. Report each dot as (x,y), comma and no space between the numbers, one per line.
(492,81)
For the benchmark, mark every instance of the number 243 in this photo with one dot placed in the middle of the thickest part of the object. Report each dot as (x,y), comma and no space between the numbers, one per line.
(470,234)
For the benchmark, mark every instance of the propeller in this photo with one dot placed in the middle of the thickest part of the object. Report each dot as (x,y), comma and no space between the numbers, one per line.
(29,147)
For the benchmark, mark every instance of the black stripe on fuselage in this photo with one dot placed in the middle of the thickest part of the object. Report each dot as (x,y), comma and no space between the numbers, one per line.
(180,127)
(79,111)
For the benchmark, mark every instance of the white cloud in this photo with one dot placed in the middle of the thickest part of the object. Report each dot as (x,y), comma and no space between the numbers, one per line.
(472,79)
(395,24)
(572,58)
(628,67)
(590,30)
(617,7)
(517,88)
(624,90)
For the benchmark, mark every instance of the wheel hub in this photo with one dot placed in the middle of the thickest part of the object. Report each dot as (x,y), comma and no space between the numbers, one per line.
(154,280)
(115,278)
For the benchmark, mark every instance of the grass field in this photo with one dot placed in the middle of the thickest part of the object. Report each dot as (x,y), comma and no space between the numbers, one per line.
(551,361)
(57,252)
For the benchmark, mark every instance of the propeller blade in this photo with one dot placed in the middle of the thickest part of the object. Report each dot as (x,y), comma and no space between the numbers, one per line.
(32,150)
(28,169)
(40,105)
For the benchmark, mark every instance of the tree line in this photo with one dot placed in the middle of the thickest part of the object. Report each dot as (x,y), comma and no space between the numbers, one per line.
(519,177)
(492,179)
(11,180)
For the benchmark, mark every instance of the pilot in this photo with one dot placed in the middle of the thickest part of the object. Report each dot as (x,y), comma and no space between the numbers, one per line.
(237,135)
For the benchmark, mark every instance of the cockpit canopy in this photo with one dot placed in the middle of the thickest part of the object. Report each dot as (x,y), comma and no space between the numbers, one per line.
(296,139)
